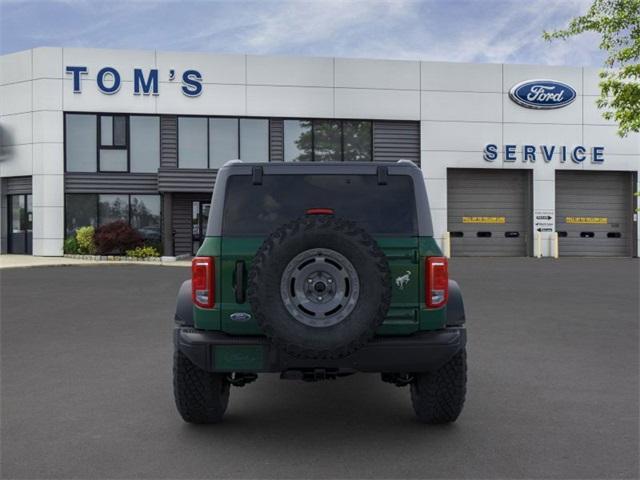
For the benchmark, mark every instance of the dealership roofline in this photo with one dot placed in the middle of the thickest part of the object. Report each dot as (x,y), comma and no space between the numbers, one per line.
(290,56)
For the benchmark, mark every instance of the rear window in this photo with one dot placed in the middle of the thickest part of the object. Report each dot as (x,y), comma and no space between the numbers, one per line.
(259,209)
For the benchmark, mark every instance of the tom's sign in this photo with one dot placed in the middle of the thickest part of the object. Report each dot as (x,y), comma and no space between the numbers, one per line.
(542,94)
(108,80)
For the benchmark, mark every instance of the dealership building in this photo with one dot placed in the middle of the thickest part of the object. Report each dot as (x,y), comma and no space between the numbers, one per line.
(517,159)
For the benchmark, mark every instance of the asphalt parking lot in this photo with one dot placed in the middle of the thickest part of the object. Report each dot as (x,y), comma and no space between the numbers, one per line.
(553,385)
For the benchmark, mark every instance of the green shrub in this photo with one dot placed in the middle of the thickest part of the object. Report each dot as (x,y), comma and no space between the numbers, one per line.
(86,244)
(142,252)
(70,245)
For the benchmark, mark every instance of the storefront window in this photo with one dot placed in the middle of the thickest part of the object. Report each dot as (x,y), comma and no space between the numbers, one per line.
(327,141)
(142,212)
(80,142)
(297,141)
(112,208)
(192,142)
(145,143)
(223,141)
(80,211)
(254,140)
(145,217)
(357,141)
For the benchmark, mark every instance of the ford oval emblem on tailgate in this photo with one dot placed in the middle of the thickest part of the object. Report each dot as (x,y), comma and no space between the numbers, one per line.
(240,317)
(542,94)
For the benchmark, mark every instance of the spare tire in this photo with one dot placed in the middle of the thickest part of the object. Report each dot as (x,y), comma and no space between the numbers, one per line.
(319,287)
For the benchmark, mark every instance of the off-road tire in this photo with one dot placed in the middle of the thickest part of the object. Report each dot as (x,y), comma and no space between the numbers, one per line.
(306,233)
(438,397)
(201,396)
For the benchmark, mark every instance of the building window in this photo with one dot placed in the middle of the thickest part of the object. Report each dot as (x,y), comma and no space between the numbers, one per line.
(192,142)
(112,208)
(80,142)
(223,141)
(328,141)
(145,143)
(113,131)
(297,141)
(80,211)
(211,142)
(145,217)
(113,143)
(254,140)
(142,212)
(357,141)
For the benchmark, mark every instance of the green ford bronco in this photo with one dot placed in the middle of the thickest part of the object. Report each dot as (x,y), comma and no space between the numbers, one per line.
(317,271)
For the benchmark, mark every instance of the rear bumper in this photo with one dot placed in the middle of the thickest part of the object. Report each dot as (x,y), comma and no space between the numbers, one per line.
(219,352)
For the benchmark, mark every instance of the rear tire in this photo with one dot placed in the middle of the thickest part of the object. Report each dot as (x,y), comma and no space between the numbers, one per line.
(201,396)
(438,397)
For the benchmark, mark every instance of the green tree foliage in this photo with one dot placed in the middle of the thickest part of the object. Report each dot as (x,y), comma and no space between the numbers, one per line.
(618,23)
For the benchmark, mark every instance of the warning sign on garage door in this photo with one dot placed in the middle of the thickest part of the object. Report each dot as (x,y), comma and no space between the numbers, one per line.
(587,220)
(499,220)
(544,220)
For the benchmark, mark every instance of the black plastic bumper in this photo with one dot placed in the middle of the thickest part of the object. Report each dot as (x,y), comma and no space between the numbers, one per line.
(218,352)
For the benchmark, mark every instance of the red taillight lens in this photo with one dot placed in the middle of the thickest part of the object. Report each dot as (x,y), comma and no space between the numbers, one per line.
(203,282)
(436,281)
(320,211)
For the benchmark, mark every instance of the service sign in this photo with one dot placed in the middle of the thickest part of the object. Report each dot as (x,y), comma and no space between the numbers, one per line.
(511,152)
(542,94)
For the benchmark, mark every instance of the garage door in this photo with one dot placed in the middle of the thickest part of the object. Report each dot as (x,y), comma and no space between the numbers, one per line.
(488,212)
(593,213)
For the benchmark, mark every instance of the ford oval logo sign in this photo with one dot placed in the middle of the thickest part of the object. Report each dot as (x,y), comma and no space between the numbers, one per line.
(542,94)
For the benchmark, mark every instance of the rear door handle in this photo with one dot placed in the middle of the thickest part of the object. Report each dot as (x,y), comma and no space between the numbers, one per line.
(239,281)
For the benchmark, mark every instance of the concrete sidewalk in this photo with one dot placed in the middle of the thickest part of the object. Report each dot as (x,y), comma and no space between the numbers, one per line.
(26,261)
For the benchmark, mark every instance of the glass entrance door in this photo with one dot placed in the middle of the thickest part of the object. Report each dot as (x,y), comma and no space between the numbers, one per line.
(199,219)
(20,224)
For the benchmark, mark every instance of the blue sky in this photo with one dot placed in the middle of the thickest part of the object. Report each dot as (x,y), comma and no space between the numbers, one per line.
(455,30)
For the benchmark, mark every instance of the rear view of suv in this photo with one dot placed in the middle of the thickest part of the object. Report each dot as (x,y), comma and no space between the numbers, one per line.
(316,271)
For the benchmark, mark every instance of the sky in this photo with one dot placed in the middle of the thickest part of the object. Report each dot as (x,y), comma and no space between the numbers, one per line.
(486,31)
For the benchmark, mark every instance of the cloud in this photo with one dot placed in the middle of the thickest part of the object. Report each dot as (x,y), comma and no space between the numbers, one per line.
(455,30)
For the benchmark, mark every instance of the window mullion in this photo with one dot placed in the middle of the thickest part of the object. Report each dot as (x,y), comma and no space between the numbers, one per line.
(342,140)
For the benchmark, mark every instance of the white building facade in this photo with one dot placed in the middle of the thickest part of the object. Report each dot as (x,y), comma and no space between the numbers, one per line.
(91,136)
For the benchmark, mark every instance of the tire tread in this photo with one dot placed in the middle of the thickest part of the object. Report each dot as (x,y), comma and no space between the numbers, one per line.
(438,397)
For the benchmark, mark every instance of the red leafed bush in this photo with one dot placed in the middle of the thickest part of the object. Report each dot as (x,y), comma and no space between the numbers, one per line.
(116,238)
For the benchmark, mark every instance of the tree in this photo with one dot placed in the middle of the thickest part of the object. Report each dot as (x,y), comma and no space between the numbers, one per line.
(618,23)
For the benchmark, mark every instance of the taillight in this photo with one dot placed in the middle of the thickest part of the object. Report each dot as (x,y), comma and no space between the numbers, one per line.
(436,281)
(320,211)
(203,282)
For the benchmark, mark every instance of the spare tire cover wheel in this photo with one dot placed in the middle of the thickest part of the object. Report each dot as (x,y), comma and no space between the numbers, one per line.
(319,286)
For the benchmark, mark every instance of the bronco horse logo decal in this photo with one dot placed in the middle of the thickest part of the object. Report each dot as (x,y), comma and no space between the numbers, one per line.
(402,280)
